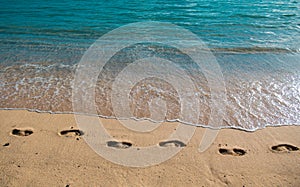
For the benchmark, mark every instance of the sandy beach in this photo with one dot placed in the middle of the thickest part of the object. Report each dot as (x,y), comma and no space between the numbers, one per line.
(221,79)
(41,149)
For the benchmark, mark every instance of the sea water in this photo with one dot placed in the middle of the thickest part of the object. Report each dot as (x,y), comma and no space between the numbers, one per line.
(256,44)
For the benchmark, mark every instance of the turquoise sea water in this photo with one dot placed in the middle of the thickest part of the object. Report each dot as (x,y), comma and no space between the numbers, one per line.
(256,43)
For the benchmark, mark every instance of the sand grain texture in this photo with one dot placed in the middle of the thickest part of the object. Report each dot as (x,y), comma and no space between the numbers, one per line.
(50,151)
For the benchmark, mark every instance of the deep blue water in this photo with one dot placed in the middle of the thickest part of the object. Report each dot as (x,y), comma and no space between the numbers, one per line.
(51,28)
(256,43)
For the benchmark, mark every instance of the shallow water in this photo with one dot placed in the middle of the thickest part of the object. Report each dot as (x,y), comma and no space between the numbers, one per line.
(256,44)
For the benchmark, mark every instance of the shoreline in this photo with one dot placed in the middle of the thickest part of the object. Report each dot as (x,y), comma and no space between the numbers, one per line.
(49,155)
(148,119)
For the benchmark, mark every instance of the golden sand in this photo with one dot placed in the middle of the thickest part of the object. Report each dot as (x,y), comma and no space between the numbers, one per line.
(49,150)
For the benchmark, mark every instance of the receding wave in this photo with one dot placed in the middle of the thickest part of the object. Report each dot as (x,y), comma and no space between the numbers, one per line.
(261,89)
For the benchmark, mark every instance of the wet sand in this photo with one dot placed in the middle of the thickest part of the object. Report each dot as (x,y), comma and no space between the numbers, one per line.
(41,149)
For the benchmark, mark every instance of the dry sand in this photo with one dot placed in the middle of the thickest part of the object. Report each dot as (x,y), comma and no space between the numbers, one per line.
(33,152)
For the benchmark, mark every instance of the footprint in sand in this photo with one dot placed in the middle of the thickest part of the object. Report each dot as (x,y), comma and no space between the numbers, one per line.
(172,143)
(233,152)
(21,132)
(284,148)
(119,145)
(71,133)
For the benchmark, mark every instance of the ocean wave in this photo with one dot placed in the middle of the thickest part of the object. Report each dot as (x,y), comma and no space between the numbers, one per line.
(267,94)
